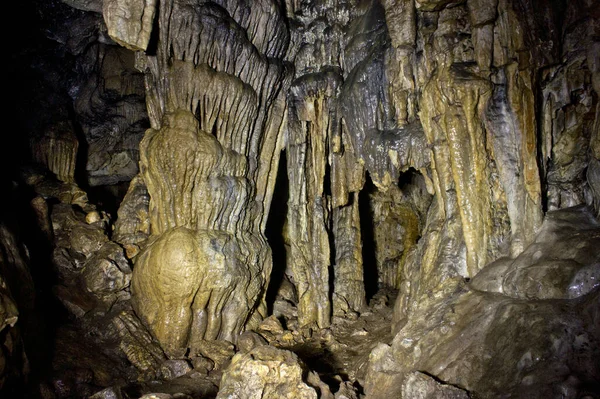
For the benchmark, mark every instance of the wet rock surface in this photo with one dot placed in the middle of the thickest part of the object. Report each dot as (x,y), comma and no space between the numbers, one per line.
(265,372)
(562,263)
(421,386)
(434,167)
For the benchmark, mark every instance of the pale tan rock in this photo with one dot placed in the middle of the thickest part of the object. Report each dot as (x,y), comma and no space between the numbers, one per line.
(93,217)
(484,333)
(271,324)
(346,391)
(265,372)
(349,290)
(57,150)
(421,386)
(197,295)
(558,265)
(130,22)
(219,351)
(209,165)
(249,340)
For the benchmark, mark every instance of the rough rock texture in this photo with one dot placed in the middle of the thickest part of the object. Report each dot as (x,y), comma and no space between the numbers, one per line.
(266,373)
(107,272)
(57,150)
(110,109)
(444,152)
(562,263)
(448,338)
(130,22)
(455,323)
(133,224)
(13,268)
(421,386)
(209,165)
(81,102)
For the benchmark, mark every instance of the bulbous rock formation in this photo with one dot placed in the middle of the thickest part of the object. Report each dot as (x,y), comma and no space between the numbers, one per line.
(208,163)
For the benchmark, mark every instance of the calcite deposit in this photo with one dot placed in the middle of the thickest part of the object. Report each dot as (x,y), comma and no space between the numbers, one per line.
(303,199)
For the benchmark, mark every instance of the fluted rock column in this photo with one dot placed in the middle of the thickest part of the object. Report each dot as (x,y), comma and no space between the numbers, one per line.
(311,118)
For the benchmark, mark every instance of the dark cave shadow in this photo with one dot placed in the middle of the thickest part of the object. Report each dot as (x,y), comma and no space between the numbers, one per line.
(275,231)
(39,320)
(323,362)
(108,198)
(370,272)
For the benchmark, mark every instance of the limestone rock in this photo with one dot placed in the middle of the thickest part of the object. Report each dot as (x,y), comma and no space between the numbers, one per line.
(272,325)
(130,22)
(421,386)
(107,271)
(47,186)
(191,285)
(108,393)
(425,143)
(74,233)
(171,369)
(12,266)
(140,348)
(265,372)
(448,339)
(219,352)
(249,340)
(202,364)
(560,264)
(57,150)
(86,5)
(133,224)
(93,217)
(111,113)
(208,163)
(593,176)
(346,391)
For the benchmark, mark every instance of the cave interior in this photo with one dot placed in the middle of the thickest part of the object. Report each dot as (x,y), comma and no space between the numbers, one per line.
(334,199)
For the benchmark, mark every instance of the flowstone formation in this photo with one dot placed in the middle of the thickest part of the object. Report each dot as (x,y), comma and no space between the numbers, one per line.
(427,173)
(216,87)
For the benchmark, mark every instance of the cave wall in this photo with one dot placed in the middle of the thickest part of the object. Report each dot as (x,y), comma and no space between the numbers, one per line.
(492,104)
(427,144)
(209,163)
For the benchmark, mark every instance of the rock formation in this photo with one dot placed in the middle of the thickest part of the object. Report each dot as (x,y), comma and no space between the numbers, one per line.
(266,372)
(439,161)
(208,163)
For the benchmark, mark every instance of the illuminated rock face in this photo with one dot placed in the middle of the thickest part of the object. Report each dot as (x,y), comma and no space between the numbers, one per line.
(442,131)
(215,97)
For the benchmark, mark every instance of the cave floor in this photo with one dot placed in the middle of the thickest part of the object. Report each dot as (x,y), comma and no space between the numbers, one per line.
(82,366)
(341,352)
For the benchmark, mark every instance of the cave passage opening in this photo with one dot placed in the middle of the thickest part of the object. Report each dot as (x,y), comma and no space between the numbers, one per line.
(108,198)
(275,231)
(367,232)
(391,223)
